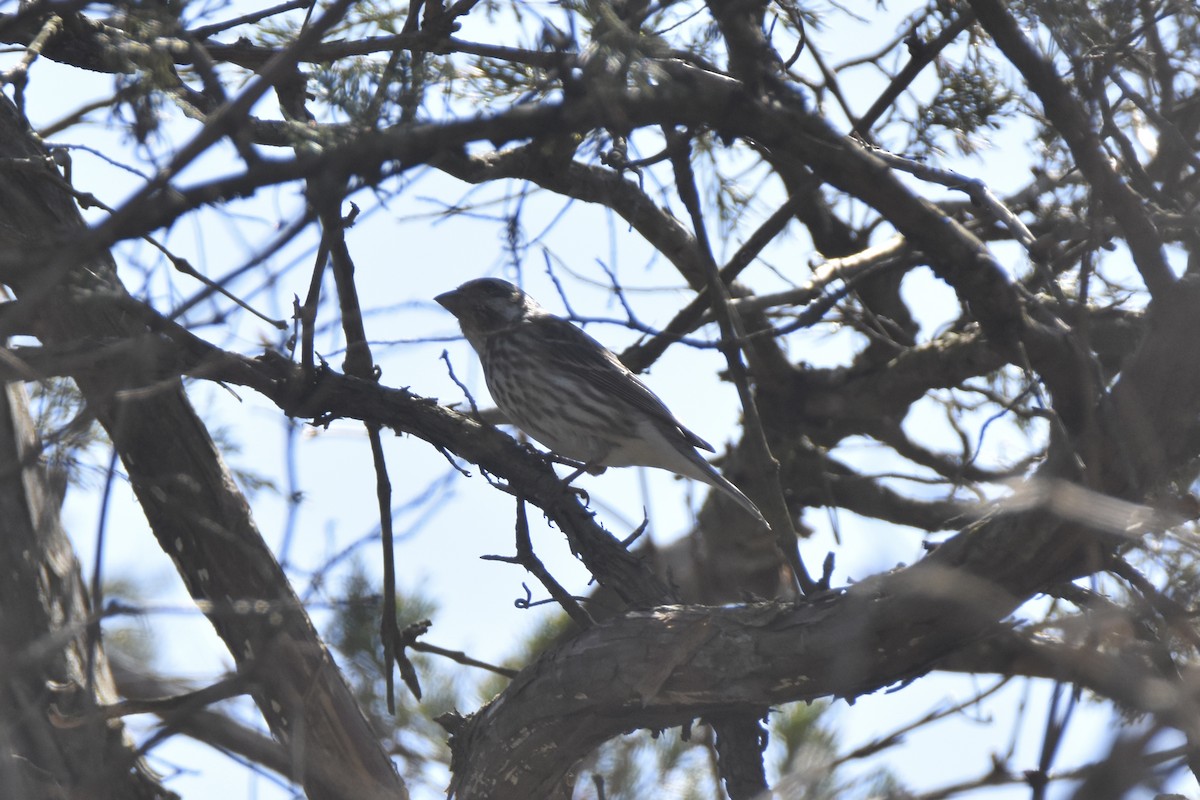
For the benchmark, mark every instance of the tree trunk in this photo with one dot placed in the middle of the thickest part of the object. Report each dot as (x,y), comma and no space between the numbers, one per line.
(194,508)
(52,744)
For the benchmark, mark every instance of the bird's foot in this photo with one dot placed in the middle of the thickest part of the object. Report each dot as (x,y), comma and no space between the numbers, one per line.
(580,468)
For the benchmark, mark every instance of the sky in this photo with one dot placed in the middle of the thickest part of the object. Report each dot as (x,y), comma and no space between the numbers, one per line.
(405,254)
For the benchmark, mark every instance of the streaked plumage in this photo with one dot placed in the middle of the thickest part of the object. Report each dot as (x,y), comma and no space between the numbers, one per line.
(569,392)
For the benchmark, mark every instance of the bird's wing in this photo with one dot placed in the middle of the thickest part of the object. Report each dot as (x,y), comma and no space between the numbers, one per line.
(578,352)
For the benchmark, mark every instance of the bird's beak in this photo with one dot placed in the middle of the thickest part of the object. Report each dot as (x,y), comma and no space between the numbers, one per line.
(450,300)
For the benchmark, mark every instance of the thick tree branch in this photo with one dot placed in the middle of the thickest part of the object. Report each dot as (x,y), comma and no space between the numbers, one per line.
(329,395)
(96,45)
(44,618)
(885,629)
(888,628)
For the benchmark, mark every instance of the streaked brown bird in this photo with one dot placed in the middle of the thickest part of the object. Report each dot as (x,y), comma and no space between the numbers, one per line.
(571,393)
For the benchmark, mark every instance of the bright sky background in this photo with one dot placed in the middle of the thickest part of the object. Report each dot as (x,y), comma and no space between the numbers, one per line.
(405,256)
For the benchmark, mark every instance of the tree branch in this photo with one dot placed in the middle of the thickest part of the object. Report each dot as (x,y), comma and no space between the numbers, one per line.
(1071,122)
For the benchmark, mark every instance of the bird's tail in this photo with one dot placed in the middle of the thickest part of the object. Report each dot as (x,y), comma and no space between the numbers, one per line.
(718,481)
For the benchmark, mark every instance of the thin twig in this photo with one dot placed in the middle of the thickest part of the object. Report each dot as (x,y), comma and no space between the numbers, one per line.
(18,76)
(461,658)
(97,586)
(974,188)
(640,356)
(462,386)
(529,560)
(224,689)
(204,31)
(923,54)
(383,492)
(732,332)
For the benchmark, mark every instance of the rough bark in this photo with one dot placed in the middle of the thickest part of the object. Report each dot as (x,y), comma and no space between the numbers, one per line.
(889,628)
(52,744)
(673,664)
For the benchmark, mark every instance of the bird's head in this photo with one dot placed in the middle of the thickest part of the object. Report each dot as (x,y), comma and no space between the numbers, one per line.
(488,305)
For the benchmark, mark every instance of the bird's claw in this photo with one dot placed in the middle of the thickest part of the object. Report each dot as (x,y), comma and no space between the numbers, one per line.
(584,497)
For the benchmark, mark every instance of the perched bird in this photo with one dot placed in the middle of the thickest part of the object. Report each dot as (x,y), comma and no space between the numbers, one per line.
(571,393)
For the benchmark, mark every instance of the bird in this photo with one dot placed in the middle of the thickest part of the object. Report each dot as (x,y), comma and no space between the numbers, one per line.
(571,393)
